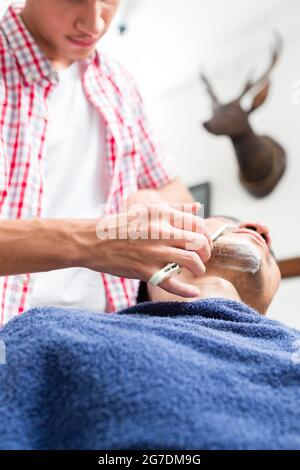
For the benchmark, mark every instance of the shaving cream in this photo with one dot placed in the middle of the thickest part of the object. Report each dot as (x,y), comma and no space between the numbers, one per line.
(238,255)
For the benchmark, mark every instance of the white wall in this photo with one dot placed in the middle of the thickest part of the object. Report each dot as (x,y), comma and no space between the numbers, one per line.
(168,42)
(167,48)
(4,5)
(203,157)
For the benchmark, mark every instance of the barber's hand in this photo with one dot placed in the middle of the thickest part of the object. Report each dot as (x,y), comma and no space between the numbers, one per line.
(137,243)
(142,196)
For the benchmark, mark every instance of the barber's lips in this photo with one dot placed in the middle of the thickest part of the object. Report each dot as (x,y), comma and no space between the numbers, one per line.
(84,43)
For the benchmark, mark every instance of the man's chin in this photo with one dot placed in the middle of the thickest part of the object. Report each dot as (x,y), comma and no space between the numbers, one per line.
(67,58)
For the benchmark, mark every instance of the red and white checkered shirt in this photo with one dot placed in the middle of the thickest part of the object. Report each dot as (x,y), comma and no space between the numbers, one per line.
(134,158)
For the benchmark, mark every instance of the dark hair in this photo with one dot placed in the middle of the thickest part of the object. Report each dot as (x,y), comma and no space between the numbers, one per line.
(142,295)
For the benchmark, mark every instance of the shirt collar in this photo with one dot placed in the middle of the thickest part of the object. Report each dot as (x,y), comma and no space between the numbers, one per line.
(33,63)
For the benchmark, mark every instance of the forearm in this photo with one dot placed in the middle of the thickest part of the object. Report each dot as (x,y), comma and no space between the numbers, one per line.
(35,245)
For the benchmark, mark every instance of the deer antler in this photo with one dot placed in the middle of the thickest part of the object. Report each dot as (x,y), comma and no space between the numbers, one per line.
(275,54)
(210,89)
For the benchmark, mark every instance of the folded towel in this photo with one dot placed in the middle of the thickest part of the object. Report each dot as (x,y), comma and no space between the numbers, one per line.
(211,374)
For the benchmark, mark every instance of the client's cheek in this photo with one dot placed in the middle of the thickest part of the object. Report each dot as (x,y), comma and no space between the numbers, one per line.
(236,254)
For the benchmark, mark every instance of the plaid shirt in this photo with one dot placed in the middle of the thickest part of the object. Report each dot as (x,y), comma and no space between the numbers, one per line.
(134,159)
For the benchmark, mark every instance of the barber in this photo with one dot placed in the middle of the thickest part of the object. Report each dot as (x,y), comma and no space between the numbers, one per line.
(76,151)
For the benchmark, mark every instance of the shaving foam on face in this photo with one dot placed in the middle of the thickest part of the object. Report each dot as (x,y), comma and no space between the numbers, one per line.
(238,255)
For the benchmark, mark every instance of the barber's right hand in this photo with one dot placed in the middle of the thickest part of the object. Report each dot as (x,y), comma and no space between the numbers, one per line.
(137,243)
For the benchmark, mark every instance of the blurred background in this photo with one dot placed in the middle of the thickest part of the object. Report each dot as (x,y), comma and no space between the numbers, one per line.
(166,44)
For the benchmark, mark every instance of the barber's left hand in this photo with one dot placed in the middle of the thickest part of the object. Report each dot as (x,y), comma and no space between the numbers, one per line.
(143,196)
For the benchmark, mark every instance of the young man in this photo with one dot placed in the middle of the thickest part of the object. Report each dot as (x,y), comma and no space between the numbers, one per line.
(74,144)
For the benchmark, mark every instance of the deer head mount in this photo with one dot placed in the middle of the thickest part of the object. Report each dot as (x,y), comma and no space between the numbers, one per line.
(262,161)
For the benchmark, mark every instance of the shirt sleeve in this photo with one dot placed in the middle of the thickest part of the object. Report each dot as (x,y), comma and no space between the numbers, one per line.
(156,169)
(3,176)
(3,162)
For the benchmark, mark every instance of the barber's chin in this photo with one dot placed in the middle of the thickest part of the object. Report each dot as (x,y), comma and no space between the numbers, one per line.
(75,53)
(83,54)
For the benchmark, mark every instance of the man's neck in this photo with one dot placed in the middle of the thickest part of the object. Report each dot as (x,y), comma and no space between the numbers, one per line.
(214,286)
(210,286)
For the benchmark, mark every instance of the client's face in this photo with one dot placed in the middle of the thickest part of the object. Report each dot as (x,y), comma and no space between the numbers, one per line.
(242,256)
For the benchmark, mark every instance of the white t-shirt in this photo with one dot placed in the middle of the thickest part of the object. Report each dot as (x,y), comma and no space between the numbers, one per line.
(75,186)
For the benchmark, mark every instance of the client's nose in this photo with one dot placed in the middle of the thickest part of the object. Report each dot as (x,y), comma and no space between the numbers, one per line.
(262,229)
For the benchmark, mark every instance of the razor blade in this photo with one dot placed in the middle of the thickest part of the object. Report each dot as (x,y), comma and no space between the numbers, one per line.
(174,268)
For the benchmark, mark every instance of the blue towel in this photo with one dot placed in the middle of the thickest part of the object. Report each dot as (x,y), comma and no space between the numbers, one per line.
(212,374)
